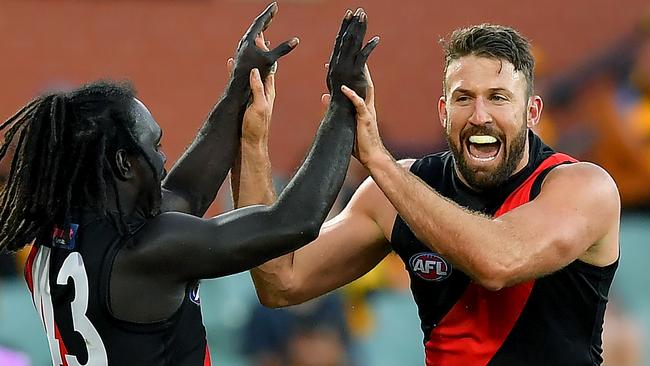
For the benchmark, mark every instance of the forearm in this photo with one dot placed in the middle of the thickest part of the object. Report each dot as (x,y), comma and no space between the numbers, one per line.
(473,242)
(212,152)
(251,176)
(252,183)
(311,192)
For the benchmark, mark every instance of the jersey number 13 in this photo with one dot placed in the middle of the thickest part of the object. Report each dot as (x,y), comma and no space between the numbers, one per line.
(72,268)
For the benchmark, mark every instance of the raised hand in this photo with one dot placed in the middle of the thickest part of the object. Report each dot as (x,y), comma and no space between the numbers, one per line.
(368,144)
(250,56)
(348,58)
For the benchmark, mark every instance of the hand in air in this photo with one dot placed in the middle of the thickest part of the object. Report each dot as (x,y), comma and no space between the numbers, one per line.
(250,56)
(257,117)
(348,58)
(368,144)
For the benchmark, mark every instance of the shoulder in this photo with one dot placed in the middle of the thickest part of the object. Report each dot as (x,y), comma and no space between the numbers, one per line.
(582,177)
(584,188)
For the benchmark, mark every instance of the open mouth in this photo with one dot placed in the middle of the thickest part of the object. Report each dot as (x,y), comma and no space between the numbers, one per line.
(483,148)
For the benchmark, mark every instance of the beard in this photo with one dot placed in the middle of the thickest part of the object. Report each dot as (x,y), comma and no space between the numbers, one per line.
(490,180)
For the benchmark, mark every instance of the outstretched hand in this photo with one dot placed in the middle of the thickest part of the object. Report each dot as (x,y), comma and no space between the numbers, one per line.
(250,56)
(368,144)
(348,59)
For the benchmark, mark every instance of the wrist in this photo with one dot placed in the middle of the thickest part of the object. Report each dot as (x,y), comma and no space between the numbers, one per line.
(378,160)
(255,146)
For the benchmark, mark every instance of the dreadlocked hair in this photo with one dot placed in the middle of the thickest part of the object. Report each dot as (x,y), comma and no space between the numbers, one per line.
(63,142)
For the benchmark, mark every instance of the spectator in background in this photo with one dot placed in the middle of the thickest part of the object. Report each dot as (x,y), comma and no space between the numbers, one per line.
(600,111)
(311,334)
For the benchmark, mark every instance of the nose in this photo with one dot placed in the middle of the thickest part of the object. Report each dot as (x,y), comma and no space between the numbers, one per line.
(481,114)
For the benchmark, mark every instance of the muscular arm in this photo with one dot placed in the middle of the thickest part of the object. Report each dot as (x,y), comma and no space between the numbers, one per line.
(348,246)
(182,247)
(214,149)
(574,216)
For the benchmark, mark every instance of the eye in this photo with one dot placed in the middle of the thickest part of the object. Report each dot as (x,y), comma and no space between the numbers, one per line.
(498,98)
(462,99)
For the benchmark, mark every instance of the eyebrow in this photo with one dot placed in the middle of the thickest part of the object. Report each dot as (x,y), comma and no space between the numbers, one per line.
(492,90)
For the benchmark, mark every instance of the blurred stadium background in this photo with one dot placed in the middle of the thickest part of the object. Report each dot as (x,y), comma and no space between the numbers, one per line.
(593,73)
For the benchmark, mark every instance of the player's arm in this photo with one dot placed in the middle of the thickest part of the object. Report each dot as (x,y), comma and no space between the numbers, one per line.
(348,246)
(180,247)
(251,177)
(214,149)
(574,216)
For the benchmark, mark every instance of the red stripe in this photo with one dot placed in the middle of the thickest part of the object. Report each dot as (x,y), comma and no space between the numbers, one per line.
(62,348)
(206,360)
(480,321)
(28,268)
(474,329)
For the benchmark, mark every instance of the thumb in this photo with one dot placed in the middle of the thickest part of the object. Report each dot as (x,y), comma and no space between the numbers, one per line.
(325,99)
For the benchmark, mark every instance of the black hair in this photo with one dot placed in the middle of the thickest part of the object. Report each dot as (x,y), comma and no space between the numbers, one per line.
(63,144)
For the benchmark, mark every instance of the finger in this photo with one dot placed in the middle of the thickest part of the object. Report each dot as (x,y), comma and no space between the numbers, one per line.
(269,88)
(361,27)
(230,65)
(339,36)
(367,49)
(353,37)
(262,21)
(370,86)
(284,48)
(357,101)
(257,87)
(325,99)
(260,43)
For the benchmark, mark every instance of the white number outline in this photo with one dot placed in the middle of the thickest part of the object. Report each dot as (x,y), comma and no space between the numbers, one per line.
(73,267)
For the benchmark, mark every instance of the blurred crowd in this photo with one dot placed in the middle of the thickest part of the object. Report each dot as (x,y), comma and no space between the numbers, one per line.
(597,111)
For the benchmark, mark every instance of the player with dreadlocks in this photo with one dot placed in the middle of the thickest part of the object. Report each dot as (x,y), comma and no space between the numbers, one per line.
(119,248)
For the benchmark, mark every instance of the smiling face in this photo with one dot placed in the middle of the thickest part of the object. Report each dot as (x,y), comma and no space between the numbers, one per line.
(486,113)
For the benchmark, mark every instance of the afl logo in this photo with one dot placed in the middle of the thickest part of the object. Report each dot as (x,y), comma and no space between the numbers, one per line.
(430,266)
(194,294)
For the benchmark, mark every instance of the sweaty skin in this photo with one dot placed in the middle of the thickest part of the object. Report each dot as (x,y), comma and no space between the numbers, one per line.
(174,249)
(576,215)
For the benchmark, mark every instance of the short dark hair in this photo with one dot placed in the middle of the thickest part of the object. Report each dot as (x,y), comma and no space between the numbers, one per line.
(491,41)
(62,158)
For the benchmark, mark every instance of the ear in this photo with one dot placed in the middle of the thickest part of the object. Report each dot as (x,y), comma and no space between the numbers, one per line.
(442,111)
(534,111)
(123,166)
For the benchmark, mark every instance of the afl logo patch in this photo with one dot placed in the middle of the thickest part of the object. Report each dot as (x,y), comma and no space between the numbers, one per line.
(194,294)
(430,266)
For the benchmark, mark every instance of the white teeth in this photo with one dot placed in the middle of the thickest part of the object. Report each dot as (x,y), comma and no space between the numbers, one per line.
(482,139)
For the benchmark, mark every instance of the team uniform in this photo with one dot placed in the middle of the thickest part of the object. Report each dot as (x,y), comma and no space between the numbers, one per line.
(69,277)
(553,320)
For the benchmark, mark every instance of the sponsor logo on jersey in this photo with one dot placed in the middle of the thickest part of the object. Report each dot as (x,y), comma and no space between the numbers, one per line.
(194,294)
(430,266)
(63,240)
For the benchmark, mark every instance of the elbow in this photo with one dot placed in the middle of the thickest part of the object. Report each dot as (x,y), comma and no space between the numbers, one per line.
(493,277)
(278,296)
(273,302)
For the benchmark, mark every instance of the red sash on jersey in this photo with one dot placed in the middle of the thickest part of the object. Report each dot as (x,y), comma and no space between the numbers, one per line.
(477,325)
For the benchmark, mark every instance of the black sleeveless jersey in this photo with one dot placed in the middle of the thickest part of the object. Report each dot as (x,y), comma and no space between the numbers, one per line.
(69,278)
(553,320)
